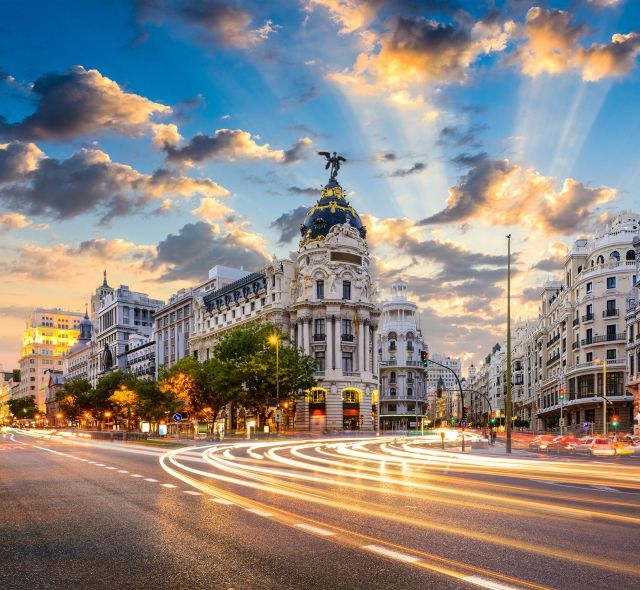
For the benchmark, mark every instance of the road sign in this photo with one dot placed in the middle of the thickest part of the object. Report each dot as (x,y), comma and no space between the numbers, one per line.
(278,415)
(585,426)
(177,417)
(562,420)
(463,423)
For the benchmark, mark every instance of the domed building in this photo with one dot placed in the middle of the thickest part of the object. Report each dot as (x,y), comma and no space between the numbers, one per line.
(324,301)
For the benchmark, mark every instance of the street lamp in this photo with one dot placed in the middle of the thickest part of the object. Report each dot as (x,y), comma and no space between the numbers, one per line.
(274,340)
(107,415)
(561,408)
(604,394)
(507,401)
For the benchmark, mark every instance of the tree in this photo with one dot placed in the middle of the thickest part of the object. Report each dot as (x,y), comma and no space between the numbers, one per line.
(74,397)
(23,407)
(153,403)
(179,382)
(124,399)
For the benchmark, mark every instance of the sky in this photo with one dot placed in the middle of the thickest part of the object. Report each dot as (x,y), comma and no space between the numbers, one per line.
(157,138)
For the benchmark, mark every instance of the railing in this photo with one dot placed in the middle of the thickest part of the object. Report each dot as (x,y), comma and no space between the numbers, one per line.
(553,340)
(351,373)
(575,345)
(319,373)
(610,313)
(347,337)
(603,338)
(587,318)
(553,359)
(576,322)
(319,337)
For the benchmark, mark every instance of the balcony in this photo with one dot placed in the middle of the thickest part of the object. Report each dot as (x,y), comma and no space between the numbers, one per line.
(587,318)
(610,313)
(553,340)
(351,373)
(553,359)
(319,373)
(603,338)
(347,337)
(576,322)
(319,337)
(575,345)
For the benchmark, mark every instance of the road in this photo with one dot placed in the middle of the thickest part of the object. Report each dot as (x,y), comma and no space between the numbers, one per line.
(328,514)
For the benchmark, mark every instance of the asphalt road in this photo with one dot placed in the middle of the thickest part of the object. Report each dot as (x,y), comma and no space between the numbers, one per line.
(331,514)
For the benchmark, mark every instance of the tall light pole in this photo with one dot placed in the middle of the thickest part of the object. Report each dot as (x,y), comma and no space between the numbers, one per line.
(604,394)
(274,340)
(507,401)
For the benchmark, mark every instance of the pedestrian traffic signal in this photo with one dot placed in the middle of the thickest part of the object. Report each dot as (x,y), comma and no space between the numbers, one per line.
(424,356)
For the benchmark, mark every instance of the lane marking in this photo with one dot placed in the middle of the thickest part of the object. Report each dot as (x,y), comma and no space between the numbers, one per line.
(484,583)
(405,557)
(135,475)
(100,465)
(168,485)
(223,501)
(192,493)
(122,471)
(315,529)
(259,512)
(151,479)
(605,488)
(92,462)
(110,467)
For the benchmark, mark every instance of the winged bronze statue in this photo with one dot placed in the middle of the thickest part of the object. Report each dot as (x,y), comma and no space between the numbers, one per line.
(333,161)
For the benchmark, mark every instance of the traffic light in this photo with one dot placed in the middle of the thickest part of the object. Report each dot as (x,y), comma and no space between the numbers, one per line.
(424,356)
(562,394)
(492,421)
(453,421)
(465,412)
(615,421)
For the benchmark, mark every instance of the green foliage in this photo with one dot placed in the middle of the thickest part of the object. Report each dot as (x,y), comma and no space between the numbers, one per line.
(23,407)
(74,398)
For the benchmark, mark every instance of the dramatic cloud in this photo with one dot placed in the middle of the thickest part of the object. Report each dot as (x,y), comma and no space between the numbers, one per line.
(552,47)
(9,221)
(211,210)
(197,247)
(232,144)
(502,193)
(216,21)
(401,172)
(89,181)
(350,15)
(82,102)
(466,160)
(530,294)
(17,160)
(288,224)
(308,191)
(419,50)
(458,137)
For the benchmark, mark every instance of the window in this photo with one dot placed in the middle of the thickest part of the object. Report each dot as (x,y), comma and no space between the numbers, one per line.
(392,392)
(409,391)
(346,328)
(611,354)
(611,282)
(346,290)
(350,396)
(319,289)
(347,362)
(392,408)
(615,255)
(319,327)
(589,337)
(589,357)
(411,407)
(589,287)
(392,377)
(320,361)
(611,332)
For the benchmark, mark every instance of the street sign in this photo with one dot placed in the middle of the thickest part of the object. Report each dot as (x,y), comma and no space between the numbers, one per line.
(562,420)
(585,426)
(463,423)
(278,415)
(177,417)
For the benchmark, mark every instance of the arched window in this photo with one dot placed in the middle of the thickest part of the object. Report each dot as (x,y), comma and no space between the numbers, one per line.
(615,254)
(392,377)
(392,345)
(631,255)
(600,259)
(579,269)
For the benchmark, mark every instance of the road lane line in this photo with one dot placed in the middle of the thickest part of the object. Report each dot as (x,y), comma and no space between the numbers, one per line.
(192,493)
(168,485)
(405,557)
(222,501)
(484,583)
(110,467)
(151,479)
(100,465)
(315,529)
(122,471)
(135,475)
(259,512)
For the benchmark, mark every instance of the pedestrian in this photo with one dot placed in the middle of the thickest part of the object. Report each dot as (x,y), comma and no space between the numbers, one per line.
(493,437)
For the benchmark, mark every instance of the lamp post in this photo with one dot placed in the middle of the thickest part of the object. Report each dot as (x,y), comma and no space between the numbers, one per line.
(561,409)
(274,340)
(507,401)
(604,394)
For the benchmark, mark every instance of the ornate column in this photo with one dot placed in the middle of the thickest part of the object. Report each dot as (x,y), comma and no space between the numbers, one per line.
(329,350)
(305,335)
(374,346)
(337,354)
(361,350)
(299,325)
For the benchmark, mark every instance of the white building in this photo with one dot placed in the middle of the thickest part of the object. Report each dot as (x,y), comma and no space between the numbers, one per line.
(324,301)
(174,321)
(633,340)
(443,392)
(402,390)
(140,357)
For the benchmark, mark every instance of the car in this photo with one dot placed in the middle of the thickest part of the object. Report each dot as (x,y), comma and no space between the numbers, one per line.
(540,443)
(596,447)
(626,446)
(555,444)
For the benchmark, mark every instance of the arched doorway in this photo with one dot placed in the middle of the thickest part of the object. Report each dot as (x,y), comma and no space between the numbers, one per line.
(351,418)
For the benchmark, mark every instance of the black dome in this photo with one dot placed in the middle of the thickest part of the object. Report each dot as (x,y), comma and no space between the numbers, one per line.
(332,209)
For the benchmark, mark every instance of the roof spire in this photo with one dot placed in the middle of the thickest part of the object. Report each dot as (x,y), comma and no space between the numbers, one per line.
(104,282)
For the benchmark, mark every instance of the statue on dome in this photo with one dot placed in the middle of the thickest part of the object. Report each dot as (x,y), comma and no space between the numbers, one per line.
(333,162)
